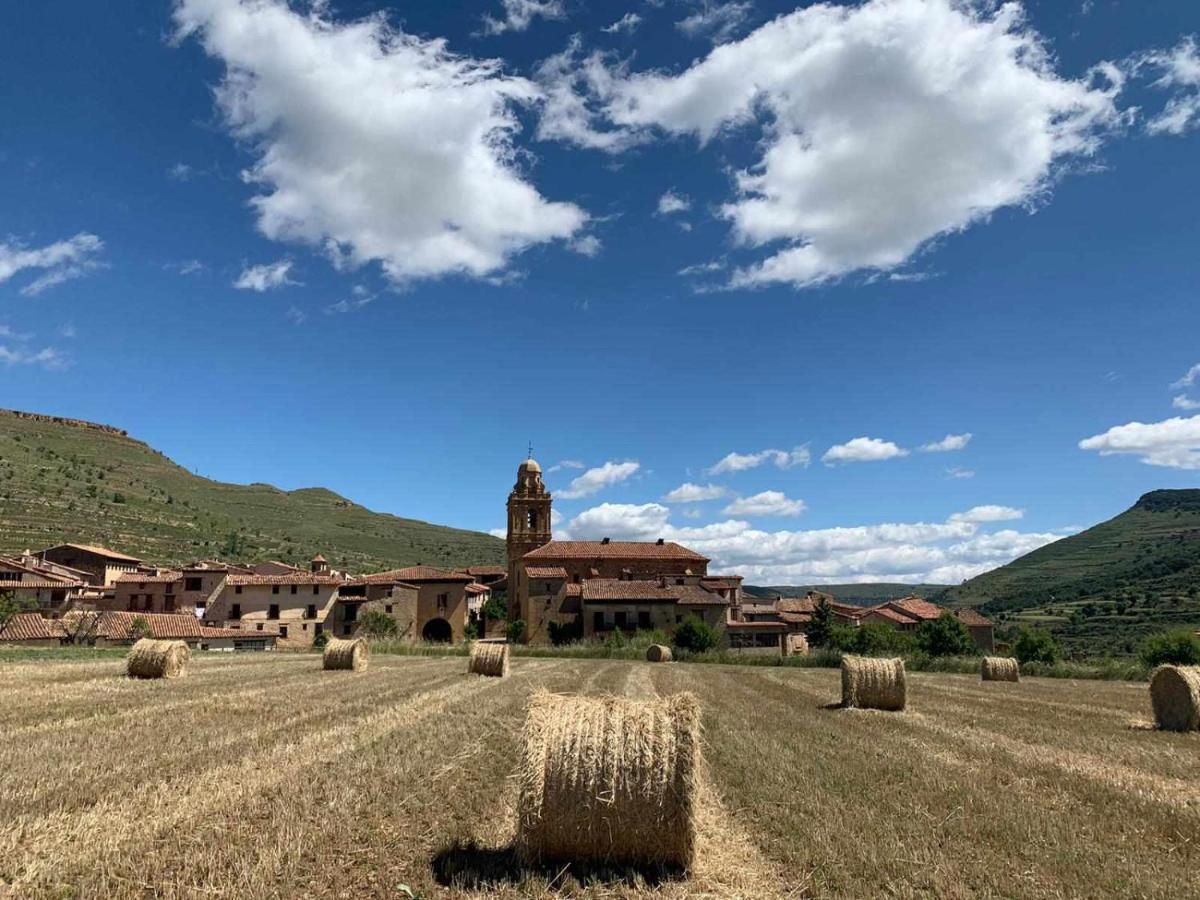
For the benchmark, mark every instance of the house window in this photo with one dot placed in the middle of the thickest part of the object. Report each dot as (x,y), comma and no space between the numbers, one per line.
(388,609)
(274,589)
(318,628)
(259,627)
(351,613)
(238,589)
(311,612)
(598,621)
(193,584)
(316,589)
(443,602)
(619,619)
(294,588)
(235,611)
(678,618)
(273,611)
(679,581)
(348,630)
(304,627)
(283,631)
(643,618)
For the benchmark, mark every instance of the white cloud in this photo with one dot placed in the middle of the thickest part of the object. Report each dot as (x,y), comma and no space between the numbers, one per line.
(565,464)
(768,503)
(572,86)
(944,553)
(782,459)
(598,478)
(862,449)
(187,267)
(988,513)
(46,358)
(959,472)
(296,315)
(947,444)
(884,125)
(696,493)
(627,22)
(519,15)
(181,172)
(265,277)
(1173,443)
(718,21)
(1182,401)
(373,144)
(670,202)
(706,268)
(586,245)
(58,262)
(1188,379)
(1179,70)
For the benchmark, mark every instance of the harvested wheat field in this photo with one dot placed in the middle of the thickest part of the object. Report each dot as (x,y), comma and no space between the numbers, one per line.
(263,776)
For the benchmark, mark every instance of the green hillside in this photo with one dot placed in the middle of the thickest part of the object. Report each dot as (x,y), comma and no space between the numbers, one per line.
(1104,589)
(861,594)
(64,480)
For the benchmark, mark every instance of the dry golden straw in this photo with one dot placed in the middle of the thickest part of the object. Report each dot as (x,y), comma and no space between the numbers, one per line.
(658,653)
(873,683)
(610,780)
(489,659)
(149,658)
(1000,668)
(1175,695)
(346,655)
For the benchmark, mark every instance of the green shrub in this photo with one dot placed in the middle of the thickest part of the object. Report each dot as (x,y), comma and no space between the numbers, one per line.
(945,636)
(320,640)
(1178,647)
(1036,645)
(377,624)
(695,635)
(878,639)
(516,631)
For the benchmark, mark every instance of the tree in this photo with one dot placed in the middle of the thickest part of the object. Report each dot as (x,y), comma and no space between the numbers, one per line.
(516,631)
(1036,645)
(1178,647)
(377,624)
(139,628)
(10,605)
(821,627)
(877,638)
(696,635)
(945,636)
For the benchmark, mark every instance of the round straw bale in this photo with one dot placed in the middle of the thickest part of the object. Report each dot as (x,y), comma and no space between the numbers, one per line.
(658,653)
(149,658)
(489,659)
(1000,668)
(610,780)
(346,655)
(1175,695)
(869,683)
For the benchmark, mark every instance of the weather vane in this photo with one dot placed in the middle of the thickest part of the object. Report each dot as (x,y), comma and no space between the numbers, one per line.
(530,450)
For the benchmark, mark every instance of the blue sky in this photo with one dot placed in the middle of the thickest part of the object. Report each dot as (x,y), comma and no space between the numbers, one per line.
(312,245)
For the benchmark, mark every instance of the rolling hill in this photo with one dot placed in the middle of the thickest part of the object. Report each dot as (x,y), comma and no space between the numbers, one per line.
(1107,587)
(67,480)
(865,594)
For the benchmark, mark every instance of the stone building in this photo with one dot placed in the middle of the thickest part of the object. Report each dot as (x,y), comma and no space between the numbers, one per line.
(26,578)
(102,565)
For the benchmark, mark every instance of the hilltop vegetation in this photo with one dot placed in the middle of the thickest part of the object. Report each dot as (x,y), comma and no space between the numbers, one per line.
(860,594)
(62,480)
(1106,588)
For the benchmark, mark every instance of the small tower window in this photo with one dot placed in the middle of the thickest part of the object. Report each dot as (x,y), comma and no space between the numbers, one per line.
(533,519)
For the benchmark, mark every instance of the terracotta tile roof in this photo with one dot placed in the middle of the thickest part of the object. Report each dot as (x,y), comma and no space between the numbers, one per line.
(600,590)
(477,589)
(545,571)
(97,551)
(614,550)
(759,609)
(892,615)
(915,606)
(485,570)
(414,573)
(795,605)
(9,562)
(700,595)
(259,580)
(795,618)
(574,590)
(117,626)
(30,626)
(727,582)
(146,578)
(971,617)
(42,585)
(211,633)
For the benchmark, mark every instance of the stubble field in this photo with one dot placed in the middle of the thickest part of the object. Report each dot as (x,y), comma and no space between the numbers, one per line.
(262,776)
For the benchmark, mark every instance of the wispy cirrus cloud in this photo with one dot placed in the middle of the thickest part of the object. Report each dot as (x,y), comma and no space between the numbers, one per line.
(781,459)
(58,262)
(265,277)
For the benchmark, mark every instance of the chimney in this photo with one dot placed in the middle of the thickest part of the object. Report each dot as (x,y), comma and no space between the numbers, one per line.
(606,541)
(660,542)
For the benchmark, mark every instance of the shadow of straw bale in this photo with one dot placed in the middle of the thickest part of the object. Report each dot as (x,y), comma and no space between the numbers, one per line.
(466,865)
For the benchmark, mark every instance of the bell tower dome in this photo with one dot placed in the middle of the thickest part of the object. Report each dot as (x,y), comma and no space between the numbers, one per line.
(528,519)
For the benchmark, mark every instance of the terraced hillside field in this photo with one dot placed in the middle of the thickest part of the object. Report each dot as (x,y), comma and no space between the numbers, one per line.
(262,776)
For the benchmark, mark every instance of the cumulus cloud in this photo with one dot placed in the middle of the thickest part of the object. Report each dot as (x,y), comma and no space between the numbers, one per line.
(947,444)
(1184,402)
(375,145)
(1179,72)
(58,262)
(628,23)
(718,21)
(781,459)
(670,202)
(518,15)
(696,493)
(572,86)
(1173,443)
(940,553)
(884,125)
(768,503)
(862,449)
(594,480)
(988,513)
(265,277)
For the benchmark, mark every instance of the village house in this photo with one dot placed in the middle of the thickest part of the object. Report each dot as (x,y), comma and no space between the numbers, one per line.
(25,579)
(292,607)
(103,566)
(427,603)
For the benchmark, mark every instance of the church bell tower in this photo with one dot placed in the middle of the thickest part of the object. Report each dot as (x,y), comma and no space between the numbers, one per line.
(528,523)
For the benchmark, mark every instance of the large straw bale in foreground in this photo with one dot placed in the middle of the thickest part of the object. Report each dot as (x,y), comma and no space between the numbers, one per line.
(1175,695)
(346,655)
(873,683)
(610,780)
(489,659)
(658,653)
(149,658)
(1000,668)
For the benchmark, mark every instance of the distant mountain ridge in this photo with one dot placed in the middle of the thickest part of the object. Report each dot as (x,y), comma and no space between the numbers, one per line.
(866,594)
(65,479)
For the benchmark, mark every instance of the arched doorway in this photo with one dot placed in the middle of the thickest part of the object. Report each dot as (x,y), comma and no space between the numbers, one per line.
(437,631)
